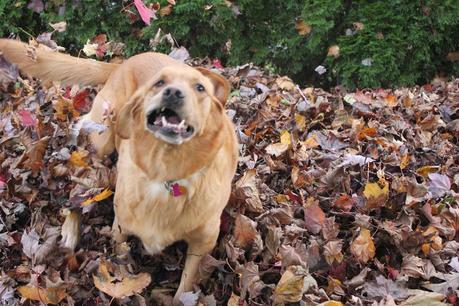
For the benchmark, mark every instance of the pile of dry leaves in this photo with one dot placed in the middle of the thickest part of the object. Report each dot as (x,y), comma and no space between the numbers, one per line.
(339,198)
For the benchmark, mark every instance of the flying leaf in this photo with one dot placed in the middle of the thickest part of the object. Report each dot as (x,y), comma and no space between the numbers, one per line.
(145,13)
(363,247)
(98,197)
(45,295)
(59,26)
(121,286)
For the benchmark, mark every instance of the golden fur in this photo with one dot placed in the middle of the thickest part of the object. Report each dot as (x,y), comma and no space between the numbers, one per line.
(204,164)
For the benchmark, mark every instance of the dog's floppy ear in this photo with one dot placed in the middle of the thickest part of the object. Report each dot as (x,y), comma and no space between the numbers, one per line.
(221,85)
(125,119)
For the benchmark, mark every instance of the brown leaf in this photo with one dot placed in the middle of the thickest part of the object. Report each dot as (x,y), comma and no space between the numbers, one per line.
(245,231)
(246,189)
(314,216)
(36,153)
(363,247)
(45,295)
(291,286)
(302,27)
(121,286)
(332,251)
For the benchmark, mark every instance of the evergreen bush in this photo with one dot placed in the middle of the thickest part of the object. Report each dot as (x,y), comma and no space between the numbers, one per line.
(381,43)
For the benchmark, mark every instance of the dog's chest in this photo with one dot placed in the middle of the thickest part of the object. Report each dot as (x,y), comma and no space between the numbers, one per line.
(157,212)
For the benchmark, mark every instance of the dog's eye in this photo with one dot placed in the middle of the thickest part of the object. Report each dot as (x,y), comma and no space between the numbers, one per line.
(159,83)
(200,87)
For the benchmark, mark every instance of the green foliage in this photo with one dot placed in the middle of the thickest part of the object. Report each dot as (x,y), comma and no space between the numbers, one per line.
(382,43)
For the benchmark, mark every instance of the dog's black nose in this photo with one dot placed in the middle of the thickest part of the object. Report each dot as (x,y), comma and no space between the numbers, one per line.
(172,92)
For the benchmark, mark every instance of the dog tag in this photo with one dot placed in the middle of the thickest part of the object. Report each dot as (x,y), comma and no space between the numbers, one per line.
(175,189)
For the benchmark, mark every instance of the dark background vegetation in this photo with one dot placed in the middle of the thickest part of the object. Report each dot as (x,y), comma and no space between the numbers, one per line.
(381,43)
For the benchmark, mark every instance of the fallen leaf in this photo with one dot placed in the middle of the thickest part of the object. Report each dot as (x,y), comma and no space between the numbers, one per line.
(27,119)
(375,195)
(439,184)
(290,287)
(246,189)
(121,286)
(314,217)
(285,138)
(363,247)
(245,231)
(45,295)
(78,159)
(277,149)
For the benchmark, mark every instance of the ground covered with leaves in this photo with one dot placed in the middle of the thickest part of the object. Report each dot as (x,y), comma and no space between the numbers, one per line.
(339,198)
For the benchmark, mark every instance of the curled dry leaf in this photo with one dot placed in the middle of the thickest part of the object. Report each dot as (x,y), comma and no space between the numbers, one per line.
(246,189)
(363,247)
(122,285)
(245,231)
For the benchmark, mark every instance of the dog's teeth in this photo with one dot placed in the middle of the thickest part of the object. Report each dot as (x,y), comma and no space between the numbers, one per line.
(164,121)
(163,109)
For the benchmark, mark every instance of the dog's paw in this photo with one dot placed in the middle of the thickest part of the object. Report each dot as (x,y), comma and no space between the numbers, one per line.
(70,231)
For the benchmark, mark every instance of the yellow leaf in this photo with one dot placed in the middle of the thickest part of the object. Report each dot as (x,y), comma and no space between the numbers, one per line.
(424,171)
(375,195)
(77,159)
(121,286)
(98,197)
(363,247)
(311,142)
(331,303)
(45,295)
(290,287)
(302,27)
(285,138)
(236,300)
(405,161)
(300,121)
(64,110)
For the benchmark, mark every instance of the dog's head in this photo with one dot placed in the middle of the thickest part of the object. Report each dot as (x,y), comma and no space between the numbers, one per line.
(174,106)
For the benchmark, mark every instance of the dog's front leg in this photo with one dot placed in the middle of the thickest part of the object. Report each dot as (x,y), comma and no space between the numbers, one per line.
(200,245)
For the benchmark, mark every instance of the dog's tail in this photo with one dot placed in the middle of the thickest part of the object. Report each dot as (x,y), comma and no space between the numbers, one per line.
(48,65)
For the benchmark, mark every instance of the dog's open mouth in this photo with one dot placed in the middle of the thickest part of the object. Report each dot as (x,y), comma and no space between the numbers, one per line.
(166,123)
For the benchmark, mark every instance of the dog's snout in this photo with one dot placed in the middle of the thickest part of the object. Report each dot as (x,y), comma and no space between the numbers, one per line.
(172,92)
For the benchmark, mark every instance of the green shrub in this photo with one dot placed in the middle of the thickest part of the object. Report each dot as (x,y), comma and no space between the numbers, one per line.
(381,43)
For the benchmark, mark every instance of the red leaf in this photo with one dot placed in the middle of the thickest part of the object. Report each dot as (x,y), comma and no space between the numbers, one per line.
(80,101)
(27,119)
(217,64)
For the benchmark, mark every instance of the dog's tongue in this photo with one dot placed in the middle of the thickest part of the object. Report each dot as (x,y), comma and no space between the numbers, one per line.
(173,119)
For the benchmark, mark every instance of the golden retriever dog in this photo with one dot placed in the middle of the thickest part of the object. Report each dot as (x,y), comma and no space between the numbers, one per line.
(177,148)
